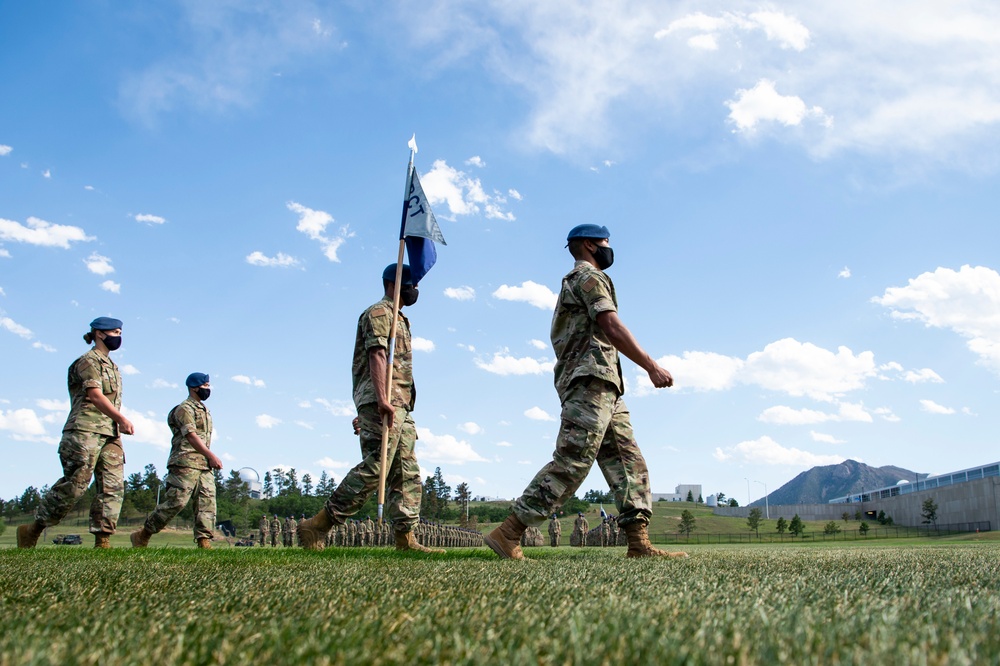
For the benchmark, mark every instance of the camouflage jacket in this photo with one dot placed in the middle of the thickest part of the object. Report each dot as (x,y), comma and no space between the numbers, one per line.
(582,349)
(263,525)
(275,526)
(92,370)
(555,527)
(187,417)
(373,332)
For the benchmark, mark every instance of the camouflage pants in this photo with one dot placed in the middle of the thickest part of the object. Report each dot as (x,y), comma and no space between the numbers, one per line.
(263,539)
(595,426)
(402,480)
(554,539)
(86,455)
(184,485)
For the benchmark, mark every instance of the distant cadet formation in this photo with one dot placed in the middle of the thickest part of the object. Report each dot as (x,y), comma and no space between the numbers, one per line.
(587,336)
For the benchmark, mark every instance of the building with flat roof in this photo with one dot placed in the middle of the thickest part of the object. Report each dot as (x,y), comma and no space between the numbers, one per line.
(681,494)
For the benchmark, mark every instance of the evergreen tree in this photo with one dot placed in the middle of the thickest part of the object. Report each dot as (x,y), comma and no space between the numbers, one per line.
(720,499)
(268,489)
(687,524)
(307,484)
(753,521)
(322,486)
(690,497)
(929,511)
(782,525)
(863,528)
(796,527)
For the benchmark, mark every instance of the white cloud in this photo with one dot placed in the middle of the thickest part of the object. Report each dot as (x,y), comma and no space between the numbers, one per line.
(529,292)
(505,364)
(845,273)
(922,375)
(313,223)
(462,194)
(330,463)
(42,233)
(966,301)
(149,219)
(50,405)
(504,444)
(470,428)
(306,425)
(150,428)
(763,103)
(699,371)
(4,253)
(824,438)
(422,344)
(47,173)
(244,379)
(99,264)
(9,324)
(444,449)
(338,407)
(538,414)
(476,161)
(280,260)
(21,423)
(514,194)
(932,407)
(460,293)
(783,415)
(538,344)
(766,451)
(159,383)
(129,369)
(5,150)
(44,347)
(267,421)
(112,286)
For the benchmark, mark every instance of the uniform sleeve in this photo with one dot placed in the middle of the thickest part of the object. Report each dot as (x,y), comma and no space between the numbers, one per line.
(595,292)
(375,327)
(90,374)
(184,419)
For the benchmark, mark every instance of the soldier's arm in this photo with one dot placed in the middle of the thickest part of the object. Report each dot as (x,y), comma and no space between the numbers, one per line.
(378,364)
(195,441)
(625,342)
(105,406)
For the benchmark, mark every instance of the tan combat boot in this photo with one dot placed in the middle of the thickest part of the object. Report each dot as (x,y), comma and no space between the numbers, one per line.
(505,540)
(312,532)
(102,540)
(406,541)
(204,543)
(140,538)
(27,535)
(639,546)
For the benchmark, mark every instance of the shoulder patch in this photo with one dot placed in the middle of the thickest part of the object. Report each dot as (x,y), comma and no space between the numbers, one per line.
(590,284)
(380,312)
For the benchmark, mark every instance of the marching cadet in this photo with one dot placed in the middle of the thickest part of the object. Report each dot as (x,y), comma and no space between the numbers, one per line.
(264,529)
(376,407)
(189,468)
(587,336)
(91,446)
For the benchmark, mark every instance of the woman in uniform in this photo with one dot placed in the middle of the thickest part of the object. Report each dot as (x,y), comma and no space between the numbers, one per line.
(91,446)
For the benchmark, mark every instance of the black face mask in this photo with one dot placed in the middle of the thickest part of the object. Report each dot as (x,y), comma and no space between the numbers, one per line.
(112,342)
(604,256)
(408,295)
(203,393)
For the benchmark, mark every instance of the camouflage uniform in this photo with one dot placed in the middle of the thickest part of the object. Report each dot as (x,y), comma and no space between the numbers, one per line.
(403,476)
(595,421)
(581,527)
(555,531)
(275,531)
(90,448)
(264,530)
(292,528)
(188,473)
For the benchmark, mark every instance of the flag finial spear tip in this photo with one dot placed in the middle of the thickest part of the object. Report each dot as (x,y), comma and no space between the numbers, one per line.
(412,143)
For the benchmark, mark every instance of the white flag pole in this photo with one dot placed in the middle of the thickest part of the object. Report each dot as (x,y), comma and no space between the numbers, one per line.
(392,334)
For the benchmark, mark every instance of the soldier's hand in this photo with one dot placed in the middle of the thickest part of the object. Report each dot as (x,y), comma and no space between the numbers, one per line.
(214,462)
(356,424)
(660,377)
(387,413)
(125,427)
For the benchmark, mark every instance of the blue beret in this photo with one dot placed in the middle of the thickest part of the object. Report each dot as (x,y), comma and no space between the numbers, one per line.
(390,274)
(106,324)
(588,231)
(196,379)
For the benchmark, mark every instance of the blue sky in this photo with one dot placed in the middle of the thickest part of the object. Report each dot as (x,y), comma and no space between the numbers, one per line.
(802,199)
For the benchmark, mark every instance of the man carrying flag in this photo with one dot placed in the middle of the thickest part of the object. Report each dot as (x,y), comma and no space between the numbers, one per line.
(375,406)
(384,392)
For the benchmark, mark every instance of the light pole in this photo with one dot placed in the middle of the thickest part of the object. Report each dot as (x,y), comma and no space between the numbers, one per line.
(767,513)
(748,491)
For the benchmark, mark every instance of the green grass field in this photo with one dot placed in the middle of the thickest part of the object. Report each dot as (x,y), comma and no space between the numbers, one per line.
(903,602)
